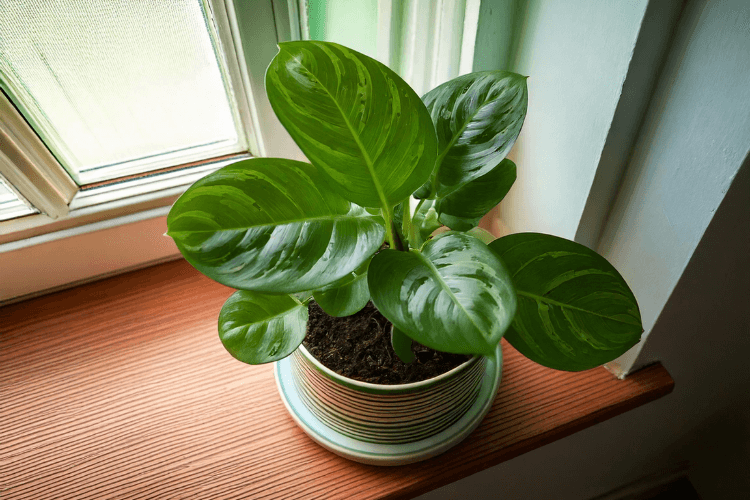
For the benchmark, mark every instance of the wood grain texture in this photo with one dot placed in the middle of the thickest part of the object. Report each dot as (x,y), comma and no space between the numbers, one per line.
(121,389)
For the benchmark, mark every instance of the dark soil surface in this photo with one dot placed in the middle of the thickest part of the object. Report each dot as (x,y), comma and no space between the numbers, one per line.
(359,347)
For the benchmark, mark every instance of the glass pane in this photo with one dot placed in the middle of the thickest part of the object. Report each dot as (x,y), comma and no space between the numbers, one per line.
(118,87)
(11,205)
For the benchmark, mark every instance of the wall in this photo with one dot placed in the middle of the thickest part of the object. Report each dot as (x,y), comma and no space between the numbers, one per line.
(576,54)
(496,34)
(691,146)
(703,338)
(680,233)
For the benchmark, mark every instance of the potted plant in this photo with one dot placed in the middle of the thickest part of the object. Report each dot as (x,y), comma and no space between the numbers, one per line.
(347,228)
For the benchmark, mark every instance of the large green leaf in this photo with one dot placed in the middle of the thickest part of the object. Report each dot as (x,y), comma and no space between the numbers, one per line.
(346,296)
(454,296)
(257,328)
(355,119)
(575,311)
(478,118)
(271,225)
(463,208)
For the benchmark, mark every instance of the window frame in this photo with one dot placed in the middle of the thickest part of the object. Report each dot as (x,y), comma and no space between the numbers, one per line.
(247,35)
(30,167)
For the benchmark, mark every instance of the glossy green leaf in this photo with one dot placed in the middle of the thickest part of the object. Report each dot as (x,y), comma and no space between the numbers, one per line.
(271,225)
(257,328)
(478,118)
(355,119)
(462,209)
(454,296)
(401,344)
(349,297)
(575,311)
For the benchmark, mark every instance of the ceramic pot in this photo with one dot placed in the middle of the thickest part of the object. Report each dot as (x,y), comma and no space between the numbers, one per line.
(387,424)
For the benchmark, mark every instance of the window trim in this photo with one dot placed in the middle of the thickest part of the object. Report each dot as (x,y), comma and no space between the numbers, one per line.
(88,222)
(29,166)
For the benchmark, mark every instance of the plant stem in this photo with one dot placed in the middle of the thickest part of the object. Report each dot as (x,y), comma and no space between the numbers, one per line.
(414,230)
(388,227)
(406,222)
(397,239)
(302,302)
(419,205)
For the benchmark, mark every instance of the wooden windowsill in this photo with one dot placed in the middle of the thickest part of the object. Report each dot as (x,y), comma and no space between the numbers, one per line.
(121,388)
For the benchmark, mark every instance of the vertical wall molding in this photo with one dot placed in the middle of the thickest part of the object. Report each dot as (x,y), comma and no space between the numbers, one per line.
(649,54)
(694,140)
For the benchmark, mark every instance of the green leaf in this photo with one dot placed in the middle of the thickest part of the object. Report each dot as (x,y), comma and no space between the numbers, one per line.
(271,225)
(478,118)
(454,296)
(398,219)
(355,119)
(426,219)
(350,296)
(575,311)
(422,225)
(401,344)
(484,235)
(257,328)
(463,208)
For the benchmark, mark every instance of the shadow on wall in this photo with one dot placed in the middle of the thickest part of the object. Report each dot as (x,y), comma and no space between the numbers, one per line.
(703,339)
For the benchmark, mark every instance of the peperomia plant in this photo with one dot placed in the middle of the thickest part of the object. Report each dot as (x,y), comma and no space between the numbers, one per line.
(284,232)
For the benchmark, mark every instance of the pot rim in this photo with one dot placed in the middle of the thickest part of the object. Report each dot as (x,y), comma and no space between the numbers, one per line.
(395,388)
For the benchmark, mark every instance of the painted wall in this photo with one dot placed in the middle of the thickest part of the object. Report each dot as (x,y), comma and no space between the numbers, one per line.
(576,54)
(680,233)
(496,30)
(691,146)
(703,338)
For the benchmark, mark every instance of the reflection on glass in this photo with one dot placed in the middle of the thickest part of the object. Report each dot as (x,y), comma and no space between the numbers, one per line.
(118,87)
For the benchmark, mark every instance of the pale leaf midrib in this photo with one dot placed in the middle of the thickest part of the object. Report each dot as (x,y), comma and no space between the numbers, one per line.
(326,218)
(446,288)
(553,302)
(267,319)
(365,155)
(451,143)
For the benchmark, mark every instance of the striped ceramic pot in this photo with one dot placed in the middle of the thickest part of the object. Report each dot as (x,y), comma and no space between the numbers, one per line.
(387,424)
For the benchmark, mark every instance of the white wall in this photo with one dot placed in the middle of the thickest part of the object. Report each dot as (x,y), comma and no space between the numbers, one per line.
(576,54)
(680,234)
(691,146)
(703,339)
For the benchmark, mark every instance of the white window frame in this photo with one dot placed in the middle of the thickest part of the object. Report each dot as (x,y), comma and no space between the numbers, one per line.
(79,224)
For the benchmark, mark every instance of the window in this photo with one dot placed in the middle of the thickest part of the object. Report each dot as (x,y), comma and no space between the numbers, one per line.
(11,204)
(116,91)
(109,110)
(117,88)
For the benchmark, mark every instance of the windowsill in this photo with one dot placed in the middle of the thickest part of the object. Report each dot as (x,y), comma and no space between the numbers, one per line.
(121,387)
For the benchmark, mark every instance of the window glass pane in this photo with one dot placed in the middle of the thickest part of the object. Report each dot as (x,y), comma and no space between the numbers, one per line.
(119,87)
(11,205)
